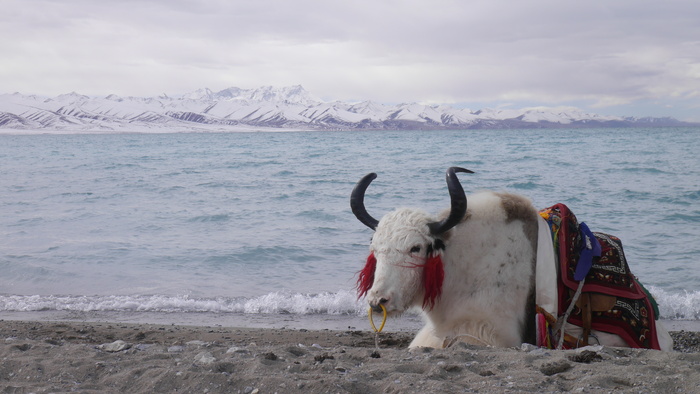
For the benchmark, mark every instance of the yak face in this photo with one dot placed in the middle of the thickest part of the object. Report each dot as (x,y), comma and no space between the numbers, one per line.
(405,256)
(404,267)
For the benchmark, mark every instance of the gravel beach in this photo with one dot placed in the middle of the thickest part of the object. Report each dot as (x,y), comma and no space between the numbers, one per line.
(56,357)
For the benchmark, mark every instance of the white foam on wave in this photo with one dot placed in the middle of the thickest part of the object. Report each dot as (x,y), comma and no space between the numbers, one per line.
(342,302)
(672,306)
(339,303)
(677,306)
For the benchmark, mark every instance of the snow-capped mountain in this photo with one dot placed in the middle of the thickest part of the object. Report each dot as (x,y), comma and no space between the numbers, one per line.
(278,108)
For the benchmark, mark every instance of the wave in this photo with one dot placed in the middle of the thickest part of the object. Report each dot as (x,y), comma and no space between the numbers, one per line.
(340,303)
(677,306)
(210,218)
(673,306)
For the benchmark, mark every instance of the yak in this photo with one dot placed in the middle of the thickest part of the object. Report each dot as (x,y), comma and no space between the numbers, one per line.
(473,269)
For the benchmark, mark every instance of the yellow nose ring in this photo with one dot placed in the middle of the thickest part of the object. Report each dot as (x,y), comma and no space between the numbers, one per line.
(371,319)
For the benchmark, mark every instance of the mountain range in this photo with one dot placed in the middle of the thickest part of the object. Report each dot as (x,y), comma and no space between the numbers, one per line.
(279,108)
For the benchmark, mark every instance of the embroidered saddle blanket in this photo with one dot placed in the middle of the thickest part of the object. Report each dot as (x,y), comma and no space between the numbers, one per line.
(618,303)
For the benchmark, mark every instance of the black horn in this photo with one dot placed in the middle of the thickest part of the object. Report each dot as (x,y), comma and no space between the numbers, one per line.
(357,201)
(459,202)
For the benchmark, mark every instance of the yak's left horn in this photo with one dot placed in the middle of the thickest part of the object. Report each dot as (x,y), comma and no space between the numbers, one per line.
(459,202)
(357,202)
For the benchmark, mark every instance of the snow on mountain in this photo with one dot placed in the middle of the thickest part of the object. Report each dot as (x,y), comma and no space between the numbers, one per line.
(287,95)
(199,94)
(562,115)
(274,108)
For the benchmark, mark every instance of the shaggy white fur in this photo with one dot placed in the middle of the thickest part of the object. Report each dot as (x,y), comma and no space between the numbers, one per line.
(497,261)
(489,273)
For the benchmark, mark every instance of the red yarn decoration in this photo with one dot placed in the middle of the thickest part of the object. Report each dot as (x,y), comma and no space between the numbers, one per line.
(433,276)
(365,278)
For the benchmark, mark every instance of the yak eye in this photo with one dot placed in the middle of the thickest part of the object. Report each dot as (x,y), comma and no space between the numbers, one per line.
(415,249)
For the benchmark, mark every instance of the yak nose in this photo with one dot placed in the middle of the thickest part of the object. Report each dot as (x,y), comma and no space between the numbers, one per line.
(376,307)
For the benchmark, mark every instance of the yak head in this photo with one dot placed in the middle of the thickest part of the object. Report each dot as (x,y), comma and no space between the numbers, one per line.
(405,264)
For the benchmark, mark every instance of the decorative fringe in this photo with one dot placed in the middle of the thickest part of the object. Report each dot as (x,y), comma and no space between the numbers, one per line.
(365,278)
(433,276)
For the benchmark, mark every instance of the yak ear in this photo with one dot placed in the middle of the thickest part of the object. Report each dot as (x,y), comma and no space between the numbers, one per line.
(433,276)
(365,279)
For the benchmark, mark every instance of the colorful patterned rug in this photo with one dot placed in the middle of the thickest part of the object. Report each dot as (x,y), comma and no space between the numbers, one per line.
(623,306)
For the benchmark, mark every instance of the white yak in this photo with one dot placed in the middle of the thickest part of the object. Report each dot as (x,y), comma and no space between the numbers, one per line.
(473,270)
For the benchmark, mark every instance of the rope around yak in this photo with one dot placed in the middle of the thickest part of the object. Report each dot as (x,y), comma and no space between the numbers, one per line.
(381,327)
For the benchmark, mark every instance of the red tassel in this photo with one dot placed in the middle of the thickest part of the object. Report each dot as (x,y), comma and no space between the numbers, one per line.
(365,278)
(433,276)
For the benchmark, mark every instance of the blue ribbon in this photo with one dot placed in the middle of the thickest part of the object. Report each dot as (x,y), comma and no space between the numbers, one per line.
(590,248)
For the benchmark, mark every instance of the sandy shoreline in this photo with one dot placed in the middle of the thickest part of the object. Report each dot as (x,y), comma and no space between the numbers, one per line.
(40,357)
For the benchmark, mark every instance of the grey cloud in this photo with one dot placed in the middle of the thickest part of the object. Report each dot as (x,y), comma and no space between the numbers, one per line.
(541,51)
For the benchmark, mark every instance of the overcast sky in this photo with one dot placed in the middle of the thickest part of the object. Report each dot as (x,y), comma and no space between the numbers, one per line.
(617,57)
